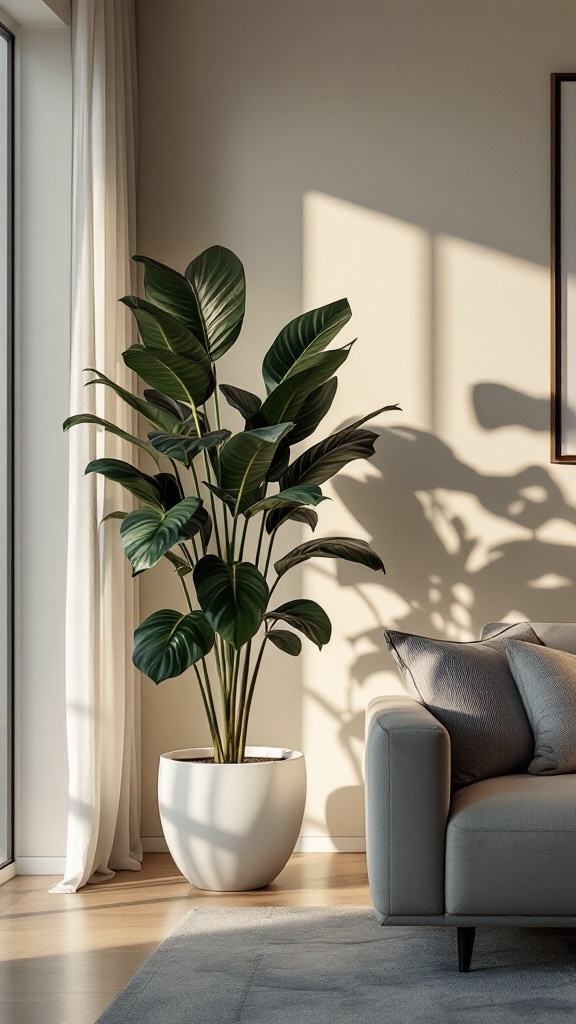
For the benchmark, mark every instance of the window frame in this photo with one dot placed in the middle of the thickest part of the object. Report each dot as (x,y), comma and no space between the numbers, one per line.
(9,33)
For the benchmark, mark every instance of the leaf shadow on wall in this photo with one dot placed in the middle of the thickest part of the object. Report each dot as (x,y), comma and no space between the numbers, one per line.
(432,516)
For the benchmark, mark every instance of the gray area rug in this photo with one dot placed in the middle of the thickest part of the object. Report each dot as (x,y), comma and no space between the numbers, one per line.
(330,966)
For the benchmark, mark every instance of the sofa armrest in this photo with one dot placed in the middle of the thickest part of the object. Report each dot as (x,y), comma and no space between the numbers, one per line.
(407,804)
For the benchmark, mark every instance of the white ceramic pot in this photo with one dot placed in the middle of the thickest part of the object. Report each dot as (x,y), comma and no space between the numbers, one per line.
(231,827)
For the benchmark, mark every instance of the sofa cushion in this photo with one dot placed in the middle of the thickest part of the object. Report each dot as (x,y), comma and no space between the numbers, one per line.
(469,688)
(511,847)
(546,679)
(561,635)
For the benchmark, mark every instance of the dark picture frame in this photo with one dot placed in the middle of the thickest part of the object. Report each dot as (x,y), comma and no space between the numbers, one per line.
(563,265)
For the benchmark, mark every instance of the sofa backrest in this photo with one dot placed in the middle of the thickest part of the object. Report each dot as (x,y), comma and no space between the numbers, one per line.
(561,635)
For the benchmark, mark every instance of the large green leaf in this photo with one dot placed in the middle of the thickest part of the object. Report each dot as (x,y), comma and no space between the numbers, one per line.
(200,523)
(179,378)
(302,338)
(140,484)
(223,496)
(181,566)
(148,533)
(325,459)
(286,401)
(170,290)
(292,496)
(170,490)
(308,617)
(311,414)
(217,281)
(86,417)
(280,462)
(245,402)
(244,461)
(232,597)
(167,643)
(331,547)
(156,416)
(285,641)
(176,410)
(161,331)
(184,449)
(113,515)
(278,516)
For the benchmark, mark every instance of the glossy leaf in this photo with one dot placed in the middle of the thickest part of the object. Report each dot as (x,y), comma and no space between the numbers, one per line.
(303,338)
(285,641)
(181,566)
(278,516)
(179,378)
(154,415)
(184,449)
(167,643)
(161,332)
(232,597)
(228,499)
(200,523)
(325,459)
(170,493)
(281,460)
(113,515)
(306,616)
(245,402)
(244,461)
(331,547)
(217,281)
(148,533)
(85,417)
(171,291)
(311,414)
(176,410)
(286,401)
(139,484)
(291,496)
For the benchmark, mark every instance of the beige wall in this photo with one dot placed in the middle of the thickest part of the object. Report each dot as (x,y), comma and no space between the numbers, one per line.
(396,152)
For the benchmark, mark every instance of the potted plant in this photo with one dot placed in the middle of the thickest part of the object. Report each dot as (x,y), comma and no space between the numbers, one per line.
(214,506)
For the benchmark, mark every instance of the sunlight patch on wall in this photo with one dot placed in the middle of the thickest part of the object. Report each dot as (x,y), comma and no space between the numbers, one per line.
(492,325)
(472,522)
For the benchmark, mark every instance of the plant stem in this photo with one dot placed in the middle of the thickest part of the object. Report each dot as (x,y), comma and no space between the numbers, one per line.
(212,707)
(243,689)
(248,703)
(188,601)
(243,538)
(177,475)
(211,716)
(269,554)
(216,399)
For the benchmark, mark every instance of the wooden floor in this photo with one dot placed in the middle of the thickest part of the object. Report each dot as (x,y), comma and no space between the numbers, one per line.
(63,958)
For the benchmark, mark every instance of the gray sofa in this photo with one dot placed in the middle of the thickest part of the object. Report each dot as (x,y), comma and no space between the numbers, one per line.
(500,851)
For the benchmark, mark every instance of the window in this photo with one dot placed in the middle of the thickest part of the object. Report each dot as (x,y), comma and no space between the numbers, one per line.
(6,439)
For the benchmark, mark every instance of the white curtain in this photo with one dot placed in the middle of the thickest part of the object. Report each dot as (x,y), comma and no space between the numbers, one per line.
(101,683)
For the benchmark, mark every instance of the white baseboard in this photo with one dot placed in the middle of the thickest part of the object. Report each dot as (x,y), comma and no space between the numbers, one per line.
(7,873)
(154,844)
(305,844)
(40,865)
(331,844)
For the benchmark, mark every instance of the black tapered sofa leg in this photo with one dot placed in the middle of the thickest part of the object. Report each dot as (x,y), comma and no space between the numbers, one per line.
(466,938)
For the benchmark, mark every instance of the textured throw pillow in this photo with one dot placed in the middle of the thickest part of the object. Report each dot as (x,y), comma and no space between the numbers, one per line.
(469,688)
(546,679)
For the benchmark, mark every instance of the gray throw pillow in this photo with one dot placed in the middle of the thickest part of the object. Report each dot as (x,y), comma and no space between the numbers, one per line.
(469,688)
(546,679)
